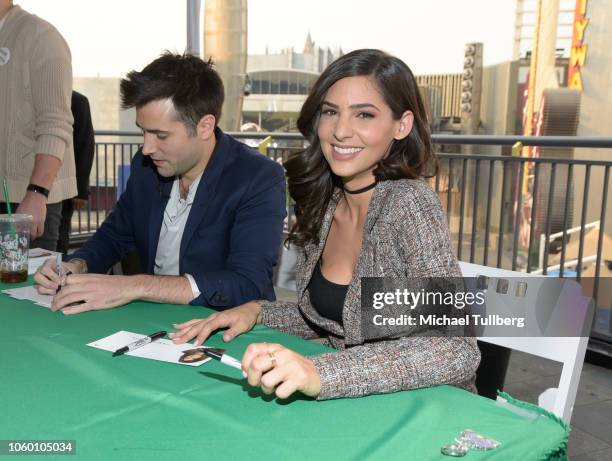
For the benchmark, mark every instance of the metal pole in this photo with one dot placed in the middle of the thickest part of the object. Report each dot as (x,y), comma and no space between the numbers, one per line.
(194,39)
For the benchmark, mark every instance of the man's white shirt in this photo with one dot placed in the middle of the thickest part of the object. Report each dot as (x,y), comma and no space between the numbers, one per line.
(171,233)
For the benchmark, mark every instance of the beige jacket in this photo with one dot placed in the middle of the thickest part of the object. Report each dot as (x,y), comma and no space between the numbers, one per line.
(405,235)
(35,91)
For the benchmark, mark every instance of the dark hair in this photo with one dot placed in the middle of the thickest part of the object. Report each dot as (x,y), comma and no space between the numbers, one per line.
(310,180)
(192,84)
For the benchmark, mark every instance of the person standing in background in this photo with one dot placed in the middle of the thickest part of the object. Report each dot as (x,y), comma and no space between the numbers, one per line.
(84,149)
(36,152)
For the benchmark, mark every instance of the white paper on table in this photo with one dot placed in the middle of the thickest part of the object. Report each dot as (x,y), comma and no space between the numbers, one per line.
(41,252)
(31,294)
(37,257)
(163,350)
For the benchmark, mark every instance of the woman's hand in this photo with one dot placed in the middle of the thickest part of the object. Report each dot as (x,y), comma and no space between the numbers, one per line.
(279,370)
(238,320)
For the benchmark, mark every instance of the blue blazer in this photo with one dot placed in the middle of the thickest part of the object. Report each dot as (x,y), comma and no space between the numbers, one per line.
(231,238)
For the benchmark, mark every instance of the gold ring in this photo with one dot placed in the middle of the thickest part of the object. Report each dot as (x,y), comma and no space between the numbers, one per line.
(272,358)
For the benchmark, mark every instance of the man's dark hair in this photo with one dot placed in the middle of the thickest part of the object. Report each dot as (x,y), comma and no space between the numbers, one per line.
(192,84)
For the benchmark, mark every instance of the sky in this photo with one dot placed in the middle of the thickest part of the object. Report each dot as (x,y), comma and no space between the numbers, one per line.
(111,37)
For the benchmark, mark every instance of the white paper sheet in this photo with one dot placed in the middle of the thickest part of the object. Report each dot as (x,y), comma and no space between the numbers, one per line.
(37,256)
(163,350)
(31,294)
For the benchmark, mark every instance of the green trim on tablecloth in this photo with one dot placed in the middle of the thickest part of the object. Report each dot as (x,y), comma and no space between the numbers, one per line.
(555,454)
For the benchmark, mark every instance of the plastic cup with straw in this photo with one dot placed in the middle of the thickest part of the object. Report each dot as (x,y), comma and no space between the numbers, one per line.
(9,211)
(7,199)
(15,249)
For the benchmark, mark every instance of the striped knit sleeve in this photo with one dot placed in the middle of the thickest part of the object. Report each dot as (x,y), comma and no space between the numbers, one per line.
(397,365)
(286,316)
(51,79)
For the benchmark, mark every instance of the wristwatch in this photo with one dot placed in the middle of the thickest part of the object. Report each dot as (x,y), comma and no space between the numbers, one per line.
(39,189)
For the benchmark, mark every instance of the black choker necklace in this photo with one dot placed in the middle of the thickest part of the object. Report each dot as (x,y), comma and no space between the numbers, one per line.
(359,191)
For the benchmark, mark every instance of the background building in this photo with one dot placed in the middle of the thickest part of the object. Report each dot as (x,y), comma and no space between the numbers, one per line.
(279,84)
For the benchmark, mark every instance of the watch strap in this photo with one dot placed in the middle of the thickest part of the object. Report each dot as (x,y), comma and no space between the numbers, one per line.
(36,188)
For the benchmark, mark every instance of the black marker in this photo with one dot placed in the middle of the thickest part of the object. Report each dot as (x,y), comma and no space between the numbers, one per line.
(219,354)
(59,287)
(141,342)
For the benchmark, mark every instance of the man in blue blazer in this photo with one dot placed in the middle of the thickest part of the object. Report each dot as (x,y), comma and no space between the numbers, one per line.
(204,211)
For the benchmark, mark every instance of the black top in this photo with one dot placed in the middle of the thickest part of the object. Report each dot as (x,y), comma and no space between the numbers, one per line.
(326,297)
(84,142)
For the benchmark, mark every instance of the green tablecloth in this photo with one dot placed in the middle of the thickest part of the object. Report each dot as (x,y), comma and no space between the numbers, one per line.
(53,386)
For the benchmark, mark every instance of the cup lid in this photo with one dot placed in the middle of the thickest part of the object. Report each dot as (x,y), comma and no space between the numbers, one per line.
(15,217)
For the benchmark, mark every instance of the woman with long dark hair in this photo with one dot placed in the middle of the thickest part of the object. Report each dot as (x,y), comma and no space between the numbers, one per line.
(362,210)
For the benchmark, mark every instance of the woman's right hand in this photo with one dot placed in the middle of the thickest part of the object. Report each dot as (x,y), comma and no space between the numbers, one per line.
(237,320)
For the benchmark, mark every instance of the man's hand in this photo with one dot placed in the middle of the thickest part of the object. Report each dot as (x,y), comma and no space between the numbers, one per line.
(34,204)
(44,173)
(238,320)
(79,203)
(94,292)
(47,280)
(279,370)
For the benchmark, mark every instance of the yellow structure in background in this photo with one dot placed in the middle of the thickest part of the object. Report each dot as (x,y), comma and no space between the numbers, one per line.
(263,145)
(529,106)
(579,48)
(225,41)
(542,74)
(450,91)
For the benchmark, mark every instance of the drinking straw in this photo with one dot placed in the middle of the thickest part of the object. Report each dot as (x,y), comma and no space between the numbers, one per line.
(7,197)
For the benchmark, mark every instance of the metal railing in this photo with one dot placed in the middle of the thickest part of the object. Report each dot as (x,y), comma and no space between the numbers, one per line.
(519,213)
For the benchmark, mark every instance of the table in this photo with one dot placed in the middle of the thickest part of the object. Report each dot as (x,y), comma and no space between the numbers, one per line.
(53,386)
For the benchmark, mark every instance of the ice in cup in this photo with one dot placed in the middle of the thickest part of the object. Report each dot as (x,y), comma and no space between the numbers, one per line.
(14,246)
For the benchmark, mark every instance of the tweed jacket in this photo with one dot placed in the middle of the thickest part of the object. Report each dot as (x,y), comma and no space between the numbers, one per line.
(405,235)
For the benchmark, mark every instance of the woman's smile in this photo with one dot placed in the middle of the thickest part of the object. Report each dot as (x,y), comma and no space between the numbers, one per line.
(345,152)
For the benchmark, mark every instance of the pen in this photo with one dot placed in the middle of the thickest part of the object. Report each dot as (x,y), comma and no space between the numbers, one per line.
(141,342)
(219,354)
(58,269)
